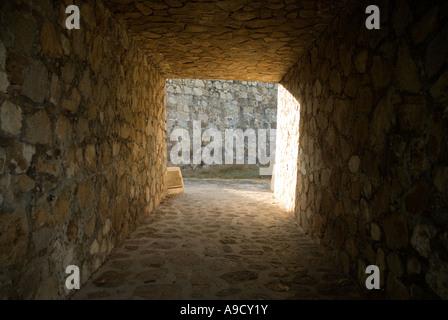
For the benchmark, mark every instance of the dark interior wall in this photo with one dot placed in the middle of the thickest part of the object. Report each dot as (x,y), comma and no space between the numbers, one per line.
(82,143)
(373,183)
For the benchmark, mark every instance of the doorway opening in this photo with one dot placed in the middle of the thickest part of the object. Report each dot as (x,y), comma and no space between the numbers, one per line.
(221,128)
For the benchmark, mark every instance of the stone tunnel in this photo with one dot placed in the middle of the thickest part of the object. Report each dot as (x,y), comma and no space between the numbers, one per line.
(362,125)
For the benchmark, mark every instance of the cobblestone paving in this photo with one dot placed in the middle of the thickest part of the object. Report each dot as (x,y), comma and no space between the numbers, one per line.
(219,240)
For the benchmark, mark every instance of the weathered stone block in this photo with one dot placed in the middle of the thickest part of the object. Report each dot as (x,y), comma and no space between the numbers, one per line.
(63,130)
(107,227)
(4,81)
(353,164)
(25,183)
(117,215)
(345,56)
(2,56)
(71,104)
(22,24)
(370,255)
(412,117)
(62,208)
(395,289)
(68,72)
(402,17)
(439,89)
(421,239)
(85,85)
(95,55)
(413,266)
(90,157)
(48,290)
(416,201)
(42,238)
(325,70)
(380,73)
(79,45)
(364,102)
(48,167)
(49,40)
(10,118)
(437,275)
(437,52)
(36,83)
(22,156)
(2,162)
(406,71)
(72,229)
(441,179)
(85,194)
(94,247)
(361,61)
(375,231)
(335,81)
(318,224)
(350,248)
(425,25)
(396,231)
(344,117)
(351,86)
(89,222)
(55,90)
(355,191)
(360,133)
(382,120)
(394,264)
(38,129)
(82,129)
(40,217)
(103,205)
(13,238)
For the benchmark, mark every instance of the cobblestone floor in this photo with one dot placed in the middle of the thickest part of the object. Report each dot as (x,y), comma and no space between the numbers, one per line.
(219,240)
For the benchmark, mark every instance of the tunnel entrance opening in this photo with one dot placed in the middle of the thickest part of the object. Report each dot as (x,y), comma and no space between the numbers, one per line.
(83,142)
(221,129)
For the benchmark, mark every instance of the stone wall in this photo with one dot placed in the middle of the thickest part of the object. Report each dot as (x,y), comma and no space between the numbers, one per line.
(82,152)
(373,180)
(219,104)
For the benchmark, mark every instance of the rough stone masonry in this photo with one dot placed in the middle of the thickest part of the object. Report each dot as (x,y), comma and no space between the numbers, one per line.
(82,143)
(369,145)
(363,123)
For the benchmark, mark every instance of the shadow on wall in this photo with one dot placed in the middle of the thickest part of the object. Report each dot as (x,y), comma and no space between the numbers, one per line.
(372,162)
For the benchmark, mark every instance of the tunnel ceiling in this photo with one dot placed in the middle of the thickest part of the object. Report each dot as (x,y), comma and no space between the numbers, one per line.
(226,39)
